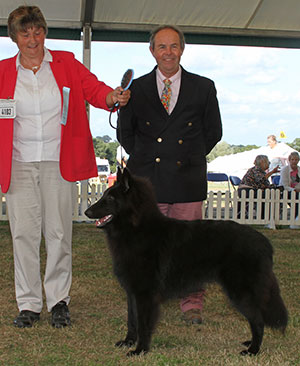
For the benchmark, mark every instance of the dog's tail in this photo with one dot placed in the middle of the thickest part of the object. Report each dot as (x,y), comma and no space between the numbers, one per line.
(275,313)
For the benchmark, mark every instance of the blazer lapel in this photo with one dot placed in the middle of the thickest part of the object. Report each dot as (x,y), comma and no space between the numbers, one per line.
(57,66)
(9,79)
(183,95)
(151,94)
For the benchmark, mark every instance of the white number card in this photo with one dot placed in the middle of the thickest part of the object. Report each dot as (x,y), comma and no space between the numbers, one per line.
(7,108)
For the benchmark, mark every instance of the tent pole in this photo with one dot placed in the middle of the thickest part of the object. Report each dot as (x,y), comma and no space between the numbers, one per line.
(87,40)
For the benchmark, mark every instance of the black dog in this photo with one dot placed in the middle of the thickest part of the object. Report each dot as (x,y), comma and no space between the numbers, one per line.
(156,258)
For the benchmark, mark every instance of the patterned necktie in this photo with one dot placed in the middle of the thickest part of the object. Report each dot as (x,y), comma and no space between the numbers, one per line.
(166,94)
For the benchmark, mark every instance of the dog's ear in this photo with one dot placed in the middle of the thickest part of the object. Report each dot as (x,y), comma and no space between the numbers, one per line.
(119,174)
(124,177)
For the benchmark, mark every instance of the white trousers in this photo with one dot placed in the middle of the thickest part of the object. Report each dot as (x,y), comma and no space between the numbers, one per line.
(39,201)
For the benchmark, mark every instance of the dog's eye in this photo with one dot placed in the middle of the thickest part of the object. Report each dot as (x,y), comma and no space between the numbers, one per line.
(110,198)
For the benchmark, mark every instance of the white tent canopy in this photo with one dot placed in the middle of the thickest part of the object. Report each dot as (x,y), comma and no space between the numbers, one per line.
(248,22)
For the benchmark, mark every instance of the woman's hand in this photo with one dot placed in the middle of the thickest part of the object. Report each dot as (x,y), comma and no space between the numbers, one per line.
(271,172)
(276,169)
(119,95)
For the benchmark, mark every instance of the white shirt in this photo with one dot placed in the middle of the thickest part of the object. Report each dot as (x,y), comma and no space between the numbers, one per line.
(280,150)
(121,153)
(175,86)
(38,114)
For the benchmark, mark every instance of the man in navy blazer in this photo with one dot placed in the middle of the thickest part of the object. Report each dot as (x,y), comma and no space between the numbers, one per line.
(170,146)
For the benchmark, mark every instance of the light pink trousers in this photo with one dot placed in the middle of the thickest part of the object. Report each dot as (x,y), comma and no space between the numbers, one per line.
(39,201)
(186,211)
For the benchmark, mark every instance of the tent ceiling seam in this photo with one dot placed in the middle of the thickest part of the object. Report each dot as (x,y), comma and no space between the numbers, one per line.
(254,13)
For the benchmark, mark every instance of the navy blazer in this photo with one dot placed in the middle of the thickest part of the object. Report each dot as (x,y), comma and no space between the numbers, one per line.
(171,149)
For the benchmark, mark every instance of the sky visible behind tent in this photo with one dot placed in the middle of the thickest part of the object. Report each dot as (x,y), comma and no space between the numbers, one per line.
(258,88)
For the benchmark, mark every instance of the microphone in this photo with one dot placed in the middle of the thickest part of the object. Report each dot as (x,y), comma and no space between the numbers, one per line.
(127,79)
(126,82)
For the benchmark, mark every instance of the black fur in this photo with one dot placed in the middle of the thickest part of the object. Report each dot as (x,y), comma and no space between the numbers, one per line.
(156,258)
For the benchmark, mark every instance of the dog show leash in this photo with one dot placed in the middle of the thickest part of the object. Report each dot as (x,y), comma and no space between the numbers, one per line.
(125,84)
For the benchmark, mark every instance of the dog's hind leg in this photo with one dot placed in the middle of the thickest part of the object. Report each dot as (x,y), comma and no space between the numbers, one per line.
(246,304)
(257,329)
(147,315)
(131,336)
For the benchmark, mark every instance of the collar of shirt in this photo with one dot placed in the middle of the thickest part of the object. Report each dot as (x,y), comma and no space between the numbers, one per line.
(47,58)
(175,86)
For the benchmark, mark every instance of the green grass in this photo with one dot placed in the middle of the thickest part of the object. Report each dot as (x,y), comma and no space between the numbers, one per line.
(98,310)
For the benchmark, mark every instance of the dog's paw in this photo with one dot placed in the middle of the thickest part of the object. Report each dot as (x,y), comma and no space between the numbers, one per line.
(136,352)
(125,343)
(246,352)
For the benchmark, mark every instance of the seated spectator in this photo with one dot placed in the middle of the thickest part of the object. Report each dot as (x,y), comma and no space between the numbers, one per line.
(257,178)
(289,175)
(290,180)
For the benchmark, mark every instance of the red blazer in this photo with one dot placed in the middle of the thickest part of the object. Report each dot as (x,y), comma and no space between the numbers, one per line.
(77,158)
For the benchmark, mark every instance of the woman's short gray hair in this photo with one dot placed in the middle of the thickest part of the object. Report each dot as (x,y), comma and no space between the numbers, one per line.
(294,154)
(174,28)
(260,159)
(24,17)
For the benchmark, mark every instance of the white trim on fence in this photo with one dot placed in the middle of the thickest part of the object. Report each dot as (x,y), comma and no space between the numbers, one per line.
(271,208)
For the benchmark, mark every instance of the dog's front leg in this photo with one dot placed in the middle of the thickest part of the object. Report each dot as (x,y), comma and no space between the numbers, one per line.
(147,315)
(131,336)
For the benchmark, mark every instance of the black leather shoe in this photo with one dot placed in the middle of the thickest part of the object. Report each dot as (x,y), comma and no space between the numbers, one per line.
(60,315)
(26,318)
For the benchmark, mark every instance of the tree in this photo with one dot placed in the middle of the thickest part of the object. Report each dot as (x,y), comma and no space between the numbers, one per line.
(295,144)
(222,148)
(105,138)
(106,150)
(242,148)
(99,147)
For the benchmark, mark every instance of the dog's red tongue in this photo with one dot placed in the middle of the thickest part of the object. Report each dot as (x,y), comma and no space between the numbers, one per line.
(101,222)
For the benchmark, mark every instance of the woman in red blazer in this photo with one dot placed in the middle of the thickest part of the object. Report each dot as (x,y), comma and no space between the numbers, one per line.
(45,144)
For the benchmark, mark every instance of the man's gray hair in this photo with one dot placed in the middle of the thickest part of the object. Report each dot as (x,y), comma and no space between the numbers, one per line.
(161,27)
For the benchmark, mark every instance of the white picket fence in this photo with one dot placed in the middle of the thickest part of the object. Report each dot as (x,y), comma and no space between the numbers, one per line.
(278,208)
(269,207)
